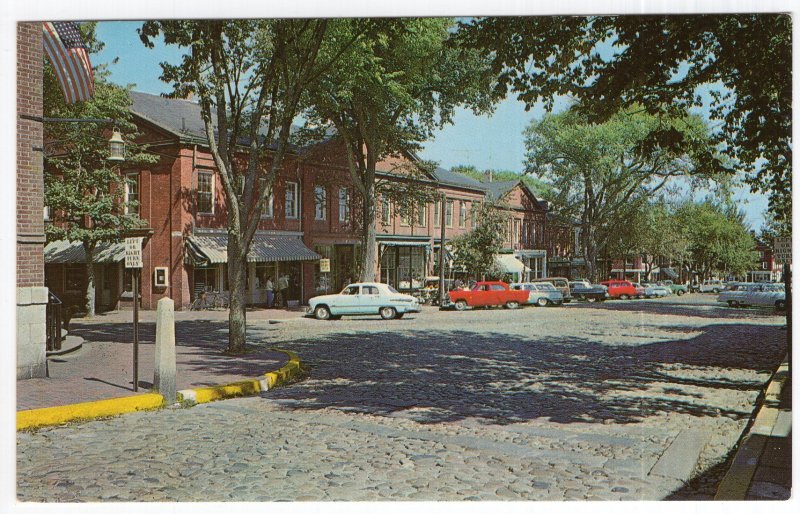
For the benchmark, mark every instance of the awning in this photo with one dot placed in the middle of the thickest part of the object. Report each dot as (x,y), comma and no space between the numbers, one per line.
(72,252)
(510,264)
(530,254)
(213,249)
(405,243)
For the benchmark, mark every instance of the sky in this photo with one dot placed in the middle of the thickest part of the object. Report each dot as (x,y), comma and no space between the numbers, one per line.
(487,142)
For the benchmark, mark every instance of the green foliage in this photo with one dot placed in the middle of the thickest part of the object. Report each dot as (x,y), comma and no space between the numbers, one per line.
(718,242)
(743,62)
(82,188)
(475,252)
(600,172)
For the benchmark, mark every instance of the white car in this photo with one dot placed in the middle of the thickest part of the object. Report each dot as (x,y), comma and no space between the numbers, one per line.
(765,295)
(735,292)
(363,298)
(712,286)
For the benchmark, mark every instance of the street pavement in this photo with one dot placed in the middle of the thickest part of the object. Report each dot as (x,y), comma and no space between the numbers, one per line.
(583,402)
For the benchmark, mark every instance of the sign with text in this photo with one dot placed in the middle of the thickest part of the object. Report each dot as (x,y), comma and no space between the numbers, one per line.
(324,265)
(783,249)
(133,252)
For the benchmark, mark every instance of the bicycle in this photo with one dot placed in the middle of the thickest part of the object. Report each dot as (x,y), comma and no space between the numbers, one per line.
(211,300)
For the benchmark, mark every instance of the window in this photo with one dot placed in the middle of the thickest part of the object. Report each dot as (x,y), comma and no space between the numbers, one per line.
(131,193)
(386,212)
(344,204)
(462,214)
(405,219)
(516,234)
(421,216)
(291,200)
(369,290)
(497,287)
(437,213)
(320,203)
(448,214)
(205,192)
(75,277)
(46,213)
(267,213)
(351,290)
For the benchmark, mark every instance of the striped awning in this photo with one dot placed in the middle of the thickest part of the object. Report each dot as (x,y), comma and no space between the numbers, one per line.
(72,252)
(510,264)
(213,249)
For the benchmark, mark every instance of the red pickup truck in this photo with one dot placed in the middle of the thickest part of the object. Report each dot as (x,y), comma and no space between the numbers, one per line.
(484,294)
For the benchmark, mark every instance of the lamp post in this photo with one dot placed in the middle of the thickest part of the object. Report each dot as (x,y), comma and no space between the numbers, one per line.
(116,145)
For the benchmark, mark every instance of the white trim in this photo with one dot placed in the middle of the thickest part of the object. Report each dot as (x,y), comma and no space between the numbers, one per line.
(295,195)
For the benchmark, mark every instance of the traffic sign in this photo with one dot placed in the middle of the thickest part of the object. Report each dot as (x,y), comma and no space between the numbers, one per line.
(324,265)
(133,252)
(783,250)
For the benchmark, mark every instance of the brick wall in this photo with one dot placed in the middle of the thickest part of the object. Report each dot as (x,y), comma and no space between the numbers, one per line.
(30,182)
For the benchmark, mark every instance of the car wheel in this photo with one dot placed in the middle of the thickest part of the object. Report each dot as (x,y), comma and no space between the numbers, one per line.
(680,292)
(322,312)
(733,303)
(541,302)
(780,305)
(715,291)
(515,305)
(388,312)
(623,297)
(461,305)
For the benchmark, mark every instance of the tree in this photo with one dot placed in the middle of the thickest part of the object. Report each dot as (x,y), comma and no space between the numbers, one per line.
(250,77)
(597,170)
(667,64)
(391,90)
(476,251)
(83,190)
(718,240)
(539,187)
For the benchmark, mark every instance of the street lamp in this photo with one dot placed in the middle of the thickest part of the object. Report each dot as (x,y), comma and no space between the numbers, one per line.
(116,145)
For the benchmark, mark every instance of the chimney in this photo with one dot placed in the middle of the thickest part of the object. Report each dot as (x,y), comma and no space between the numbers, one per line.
(488,174)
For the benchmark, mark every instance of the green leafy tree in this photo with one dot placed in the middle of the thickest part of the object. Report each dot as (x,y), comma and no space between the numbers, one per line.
(597,170)
(250,77)
(83,190)
(386,97)
(719,243)
(476,251)
(540,188)
(737,66)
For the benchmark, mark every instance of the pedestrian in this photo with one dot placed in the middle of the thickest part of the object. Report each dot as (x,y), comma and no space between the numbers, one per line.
(270,295)
(283,285)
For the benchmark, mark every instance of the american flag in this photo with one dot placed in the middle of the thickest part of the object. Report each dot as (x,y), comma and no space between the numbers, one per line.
(70,59)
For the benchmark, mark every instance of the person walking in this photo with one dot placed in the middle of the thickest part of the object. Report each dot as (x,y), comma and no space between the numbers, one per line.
(283,285)
(270,292)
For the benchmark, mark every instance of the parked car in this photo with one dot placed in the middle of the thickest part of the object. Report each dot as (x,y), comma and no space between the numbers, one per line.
(640,291)
(622,289)
(541,294)
(712,286)
(585,290)
(560,283)
(655,291)
(678,289)
(486,294)
(734,293)
(363,298)
(765,295)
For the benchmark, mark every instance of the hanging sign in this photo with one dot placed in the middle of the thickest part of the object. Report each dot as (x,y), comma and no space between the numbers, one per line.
(324,265)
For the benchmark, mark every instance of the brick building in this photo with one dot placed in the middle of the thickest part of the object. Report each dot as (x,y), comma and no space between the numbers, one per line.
(312,214)
(31,293)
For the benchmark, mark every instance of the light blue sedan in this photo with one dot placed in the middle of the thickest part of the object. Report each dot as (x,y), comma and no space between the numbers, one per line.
(363,298)
(540,293)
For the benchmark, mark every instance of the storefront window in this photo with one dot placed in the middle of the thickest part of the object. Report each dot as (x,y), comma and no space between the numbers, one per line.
(323,282)
(205,279)
(75,277)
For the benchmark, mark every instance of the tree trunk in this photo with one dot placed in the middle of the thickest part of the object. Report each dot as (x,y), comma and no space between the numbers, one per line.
(590,251)
(237,314)
(369,247)
(91,289)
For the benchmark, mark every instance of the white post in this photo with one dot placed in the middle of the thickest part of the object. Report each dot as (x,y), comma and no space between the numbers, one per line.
(164,379)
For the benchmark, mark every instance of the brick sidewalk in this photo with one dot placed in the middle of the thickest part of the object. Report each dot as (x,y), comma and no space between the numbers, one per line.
(103,367)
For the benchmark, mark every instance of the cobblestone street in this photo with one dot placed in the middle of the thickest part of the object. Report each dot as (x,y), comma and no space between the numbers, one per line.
(582,402)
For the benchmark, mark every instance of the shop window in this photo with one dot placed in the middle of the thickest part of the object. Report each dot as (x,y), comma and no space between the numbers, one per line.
(205,192)
(205,279)
(323,282)
(291,200)
(74,277)
(320,203)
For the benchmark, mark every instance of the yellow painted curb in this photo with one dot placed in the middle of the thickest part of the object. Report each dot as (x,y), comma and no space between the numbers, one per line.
(246,387)
(36,418)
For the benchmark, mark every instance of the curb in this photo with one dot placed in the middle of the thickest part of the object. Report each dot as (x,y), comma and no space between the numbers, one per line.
(266,382)
(48,416)
(737,480)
